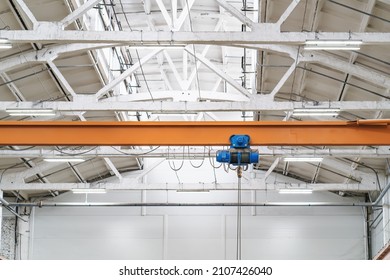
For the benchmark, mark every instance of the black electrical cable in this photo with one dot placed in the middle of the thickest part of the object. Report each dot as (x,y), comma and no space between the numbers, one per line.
(359,11)
(23,77)
(136,51)
(239,217)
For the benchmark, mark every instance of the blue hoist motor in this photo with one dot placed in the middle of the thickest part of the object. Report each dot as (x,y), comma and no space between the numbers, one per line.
(240,153)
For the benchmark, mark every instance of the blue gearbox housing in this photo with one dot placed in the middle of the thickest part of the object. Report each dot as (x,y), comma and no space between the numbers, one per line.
(240,153)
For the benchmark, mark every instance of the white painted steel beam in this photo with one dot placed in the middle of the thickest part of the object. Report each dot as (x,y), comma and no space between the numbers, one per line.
(257,103)
(79,12)
(61,78)
(149,169)
(184,14)
(147,6)
(174,12)
(12,87)
(271,168)
(367,178)
(1,220)
(266,33)
(346,67)
(165,13)
(112,167)
(195,152)
(50,53)
(329,60)
(283,80)
(288,12)
(253,184)
(40,168)
(178,95)
(174,70)
(27,12)
(46,53)
(198,63)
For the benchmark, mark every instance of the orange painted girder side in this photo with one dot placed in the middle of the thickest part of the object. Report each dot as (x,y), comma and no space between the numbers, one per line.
(192,133)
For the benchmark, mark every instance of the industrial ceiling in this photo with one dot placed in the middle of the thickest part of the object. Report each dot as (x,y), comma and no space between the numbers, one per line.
(192,60)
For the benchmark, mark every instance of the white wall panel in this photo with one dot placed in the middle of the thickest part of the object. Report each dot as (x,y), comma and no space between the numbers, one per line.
(97,237)
(298,237)
(197,232)
(195,237)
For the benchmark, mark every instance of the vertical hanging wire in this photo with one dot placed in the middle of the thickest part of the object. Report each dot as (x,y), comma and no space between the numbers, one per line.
(238,247)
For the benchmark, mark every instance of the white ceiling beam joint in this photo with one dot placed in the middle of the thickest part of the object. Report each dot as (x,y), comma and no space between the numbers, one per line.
(126,73)
(112,167)
(61,78)
(346,67)
(184,14)
(147,6)
(165,79)
(149,169)
(283,80)
(174,70)
(204,53)
(178,95)
(165,13)
(40,168)
(12,87)
(27,12)
(236,13)
(174,12)
(79,12)
(288,12)
(44,54)
(220,73)
(271,169)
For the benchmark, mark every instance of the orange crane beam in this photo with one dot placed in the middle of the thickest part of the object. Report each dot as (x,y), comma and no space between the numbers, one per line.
(278,133)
